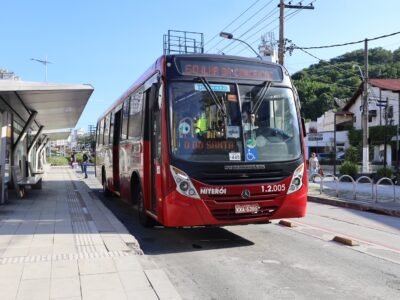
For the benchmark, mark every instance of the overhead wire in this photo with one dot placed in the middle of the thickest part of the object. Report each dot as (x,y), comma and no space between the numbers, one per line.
(247,20)
(271,14)
(349,43)
(243,23)
(216,35)
(287,17)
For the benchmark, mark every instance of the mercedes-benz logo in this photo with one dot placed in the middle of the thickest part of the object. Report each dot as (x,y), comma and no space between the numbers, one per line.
(246,194)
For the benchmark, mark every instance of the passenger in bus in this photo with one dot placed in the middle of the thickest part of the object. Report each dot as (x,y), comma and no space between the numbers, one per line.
(249,121)
(201,124)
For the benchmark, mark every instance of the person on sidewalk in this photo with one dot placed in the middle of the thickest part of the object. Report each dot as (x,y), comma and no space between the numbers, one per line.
(313,165)
(73,159)
(85,160)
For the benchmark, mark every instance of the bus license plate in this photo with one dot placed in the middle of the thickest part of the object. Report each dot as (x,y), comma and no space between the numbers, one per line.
(247,208)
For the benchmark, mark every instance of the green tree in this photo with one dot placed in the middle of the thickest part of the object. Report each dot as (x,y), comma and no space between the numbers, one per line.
(319,84)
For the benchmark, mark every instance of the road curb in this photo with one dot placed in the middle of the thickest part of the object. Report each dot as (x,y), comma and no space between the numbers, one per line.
(370,207)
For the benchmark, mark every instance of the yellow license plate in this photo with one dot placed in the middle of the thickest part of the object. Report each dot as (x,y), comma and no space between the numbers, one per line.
(247,208)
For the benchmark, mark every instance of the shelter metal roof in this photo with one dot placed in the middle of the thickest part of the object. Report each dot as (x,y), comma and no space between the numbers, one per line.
(59,106)
(55,135)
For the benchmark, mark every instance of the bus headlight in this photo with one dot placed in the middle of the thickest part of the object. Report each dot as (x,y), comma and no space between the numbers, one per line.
(183,184)
(297,179)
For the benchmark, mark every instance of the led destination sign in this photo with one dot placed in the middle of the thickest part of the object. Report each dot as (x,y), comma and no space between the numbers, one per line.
(231,69)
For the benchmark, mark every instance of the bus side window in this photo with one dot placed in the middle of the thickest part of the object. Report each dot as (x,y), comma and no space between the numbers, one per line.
(112,128)
(101,138)
(135,116)
(107,130)
(125,120)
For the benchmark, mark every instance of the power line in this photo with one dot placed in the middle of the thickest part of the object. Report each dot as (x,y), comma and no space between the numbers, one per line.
(257,39)
(271,14)
(349,43)
(293,46)
(288,17)
(247,20)
(216,35)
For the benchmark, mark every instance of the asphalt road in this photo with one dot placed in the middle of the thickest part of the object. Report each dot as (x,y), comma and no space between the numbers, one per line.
(272,261)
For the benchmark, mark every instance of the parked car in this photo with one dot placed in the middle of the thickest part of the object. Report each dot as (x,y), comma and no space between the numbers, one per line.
(324,158)
(327,158)
(340,157)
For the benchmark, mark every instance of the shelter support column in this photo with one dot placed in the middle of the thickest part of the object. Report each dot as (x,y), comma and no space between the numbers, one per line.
(32,145)
(38,154)
(5,150)
(24,131)
(21,138)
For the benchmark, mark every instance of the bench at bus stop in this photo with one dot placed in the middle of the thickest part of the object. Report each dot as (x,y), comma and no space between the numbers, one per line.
(21,182)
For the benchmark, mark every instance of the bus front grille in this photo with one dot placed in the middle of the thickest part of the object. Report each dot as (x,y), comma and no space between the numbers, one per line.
(236,178)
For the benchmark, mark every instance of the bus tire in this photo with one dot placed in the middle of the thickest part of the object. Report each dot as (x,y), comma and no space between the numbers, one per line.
(144,219)
(106,191)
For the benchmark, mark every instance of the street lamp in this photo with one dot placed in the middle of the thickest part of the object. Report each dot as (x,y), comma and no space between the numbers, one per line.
(44,62)
(229,36)
(361,73)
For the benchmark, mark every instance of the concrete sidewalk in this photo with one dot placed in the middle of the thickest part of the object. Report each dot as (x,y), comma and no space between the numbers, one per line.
(61,242)
(364,200)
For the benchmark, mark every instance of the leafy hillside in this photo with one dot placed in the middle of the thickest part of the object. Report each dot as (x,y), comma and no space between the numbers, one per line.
(321,83)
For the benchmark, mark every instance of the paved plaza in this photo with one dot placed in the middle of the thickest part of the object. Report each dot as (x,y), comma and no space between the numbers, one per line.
(61,242)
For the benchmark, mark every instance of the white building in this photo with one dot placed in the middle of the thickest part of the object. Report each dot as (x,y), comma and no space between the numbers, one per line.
(383,95)
(322,142)
(381,92)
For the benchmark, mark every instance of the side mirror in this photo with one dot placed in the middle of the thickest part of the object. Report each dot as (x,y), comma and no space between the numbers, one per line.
(303,125)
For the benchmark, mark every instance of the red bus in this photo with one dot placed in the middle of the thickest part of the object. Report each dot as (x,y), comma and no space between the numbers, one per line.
(206,140)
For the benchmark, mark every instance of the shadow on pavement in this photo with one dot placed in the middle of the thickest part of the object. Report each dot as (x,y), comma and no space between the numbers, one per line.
(161,240)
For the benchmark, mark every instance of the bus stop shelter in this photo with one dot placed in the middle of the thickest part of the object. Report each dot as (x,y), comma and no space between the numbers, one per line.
(32,114)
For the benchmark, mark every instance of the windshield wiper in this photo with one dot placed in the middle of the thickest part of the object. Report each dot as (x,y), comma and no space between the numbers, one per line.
(260,99)
(219,103)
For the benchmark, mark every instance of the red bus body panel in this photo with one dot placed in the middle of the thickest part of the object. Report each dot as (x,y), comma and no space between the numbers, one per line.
(180,210)
(176,210)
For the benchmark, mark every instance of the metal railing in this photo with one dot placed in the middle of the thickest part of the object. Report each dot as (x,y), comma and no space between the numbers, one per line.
(355,184)
(387,180)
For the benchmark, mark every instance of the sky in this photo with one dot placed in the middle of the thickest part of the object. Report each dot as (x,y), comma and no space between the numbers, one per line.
(109,44)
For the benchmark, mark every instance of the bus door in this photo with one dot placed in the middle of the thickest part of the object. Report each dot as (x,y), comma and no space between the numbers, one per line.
(115,149)
(154,122)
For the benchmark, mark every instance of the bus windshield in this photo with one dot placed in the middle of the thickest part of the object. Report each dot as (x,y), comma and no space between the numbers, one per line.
(228,122)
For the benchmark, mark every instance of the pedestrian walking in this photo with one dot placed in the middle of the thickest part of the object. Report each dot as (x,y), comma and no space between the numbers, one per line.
(85,160)
(313,165)
(72,160)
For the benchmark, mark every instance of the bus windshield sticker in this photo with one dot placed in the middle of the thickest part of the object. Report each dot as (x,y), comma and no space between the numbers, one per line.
(215,87)
(234,156)
(251,154)
(251,143)
(232,98)
(233,132)
(184,128)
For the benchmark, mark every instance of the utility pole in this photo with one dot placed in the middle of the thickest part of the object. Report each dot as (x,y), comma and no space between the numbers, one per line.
(282,6)
(281,45)
(397,142)
(365,168)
